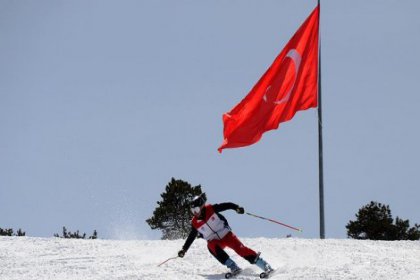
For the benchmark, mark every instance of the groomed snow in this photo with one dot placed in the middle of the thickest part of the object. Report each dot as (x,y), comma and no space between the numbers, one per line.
(23,258)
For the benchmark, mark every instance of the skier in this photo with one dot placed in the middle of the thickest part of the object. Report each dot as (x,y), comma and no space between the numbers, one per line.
(209,224)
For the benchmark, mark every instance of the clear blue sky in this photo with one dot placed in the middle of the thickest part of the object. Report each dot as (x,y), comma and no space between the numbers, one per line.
(103,102)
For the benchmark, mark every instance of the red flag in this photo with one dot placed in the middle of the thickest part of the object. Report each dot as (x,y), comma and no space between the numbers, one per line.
(288,86)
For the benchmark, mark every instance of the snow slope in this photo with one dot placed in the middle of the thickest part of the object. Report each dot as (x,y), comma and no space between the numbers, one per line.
(24,258)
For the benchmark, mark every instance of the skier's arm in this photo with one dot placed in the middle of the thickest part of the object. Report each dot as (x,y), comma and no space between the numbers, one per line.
(190,239)
(228,206)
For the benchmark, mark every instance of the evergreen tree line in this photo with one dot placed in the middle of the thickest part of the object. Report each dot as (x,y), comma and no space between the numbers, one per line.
(65,234)
(172,217)
(374,221)
(10,232)
(76,234)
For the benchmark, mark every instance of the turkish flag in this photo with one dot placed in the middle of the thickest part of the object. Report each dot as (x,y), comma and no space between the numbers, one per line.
(288,86)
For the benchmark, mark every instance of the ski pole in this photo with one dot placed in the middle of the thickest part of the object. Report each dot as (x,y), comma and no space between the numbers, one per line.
(167,260)
(273,221)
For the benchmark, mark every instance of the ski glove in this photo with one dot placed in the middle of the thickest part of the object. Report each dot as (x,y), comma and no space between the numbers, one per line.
(240,210)
(181,253)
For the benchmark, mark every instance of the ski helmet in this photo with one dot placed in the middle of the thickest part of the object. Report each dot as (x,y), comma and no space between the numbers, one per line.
(197,203)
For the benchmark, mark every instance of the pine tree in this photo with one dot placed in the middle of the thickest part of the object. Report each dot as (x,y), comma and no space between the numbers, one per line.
(94,235)
(20,232)
(6,232)
(374,221)
(172,215)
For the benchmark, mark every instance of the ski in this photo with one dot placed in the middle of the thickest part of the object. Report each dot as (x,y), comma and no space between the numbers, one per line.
(230,275)
(266,274)
(263,275)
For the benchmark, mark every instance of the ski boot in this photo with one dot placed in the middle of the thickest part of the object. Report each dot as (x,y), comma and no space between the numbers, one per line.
(261,263)
(234,269)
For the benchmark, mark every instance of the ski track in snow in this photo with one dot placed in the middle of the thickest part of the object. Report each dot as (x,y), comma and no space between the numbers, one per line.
(27,258)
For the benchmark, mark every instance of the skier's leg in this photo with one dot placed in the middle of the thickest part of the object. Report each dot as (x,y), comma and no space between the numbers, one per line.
(250,255)
(234,268)
(233,242)
(216,249)
(261,263)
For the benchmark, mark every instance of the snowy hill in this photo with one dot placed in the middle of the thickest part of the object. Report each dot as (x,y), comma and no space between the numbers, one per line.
(23,258)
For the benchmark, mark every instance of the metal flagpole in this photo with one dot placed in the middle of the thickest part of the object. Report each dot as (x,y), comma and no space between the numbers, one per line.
(321,164)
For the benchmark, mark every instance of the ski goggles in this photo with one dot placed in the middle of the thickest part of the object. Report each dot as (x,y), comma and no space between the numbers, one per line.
(196,210)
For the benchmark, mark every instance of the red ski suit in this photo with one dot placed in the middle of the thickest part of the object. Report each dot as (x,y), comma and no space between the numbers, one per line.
(213,227)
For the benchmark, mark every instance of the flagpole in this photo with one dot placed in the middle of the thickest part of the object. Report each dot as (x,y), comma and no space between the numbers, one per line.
(320,150)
